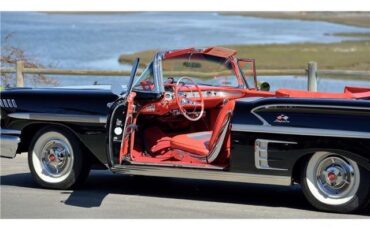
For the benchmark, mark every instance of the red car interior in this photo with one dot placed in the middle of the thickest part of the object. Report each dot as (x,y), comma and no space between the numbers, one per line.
(202,143)
(176,140)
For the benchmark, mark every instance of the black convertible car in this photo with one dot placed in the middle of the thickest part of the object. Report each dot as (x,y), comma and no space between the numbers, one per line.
(197,113)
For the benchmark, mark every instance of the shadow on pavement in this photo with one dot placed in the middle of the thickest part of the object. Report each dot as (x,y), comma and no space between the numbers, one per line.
(102,183)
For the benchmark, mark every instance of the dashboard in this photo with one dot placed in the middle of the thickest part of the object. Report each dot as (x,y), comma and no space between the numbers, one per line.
(206,93)
(212,97)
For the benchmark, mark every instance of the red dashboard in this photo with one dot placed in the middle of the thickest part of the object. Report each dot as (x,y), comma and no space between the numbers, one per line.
(212,97)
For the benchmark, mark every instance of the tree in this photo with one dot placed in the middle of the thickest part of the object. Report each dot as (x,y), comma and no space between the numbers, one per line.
(9,55)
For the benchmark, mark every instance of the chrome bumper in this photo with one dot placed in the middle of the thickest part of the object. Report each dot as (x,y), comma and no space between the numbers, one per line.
(9,140)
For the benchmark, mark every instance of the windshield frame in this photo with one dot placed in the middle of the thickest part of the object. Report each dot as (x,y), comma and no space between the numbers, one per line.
(233,61)
(157,79)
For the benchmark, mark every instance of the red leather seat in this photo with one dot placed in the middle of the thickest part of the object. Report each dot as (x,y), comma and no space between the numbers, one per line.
(201,143)
(193,142)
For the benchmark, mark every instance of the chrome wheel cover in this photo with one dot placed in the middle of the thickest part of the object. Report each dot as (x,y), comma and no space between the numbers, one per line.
(335,177)
(332,178)
(52,157)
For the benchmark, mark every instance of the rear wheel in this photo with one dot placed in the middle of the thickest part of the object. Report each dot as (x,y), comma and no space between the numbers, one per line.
(332,182)
(56,160)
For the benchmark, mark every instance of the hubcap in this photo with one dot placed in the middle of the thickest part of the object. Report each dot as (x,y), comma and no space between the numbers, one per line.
(335,177)
(56,158)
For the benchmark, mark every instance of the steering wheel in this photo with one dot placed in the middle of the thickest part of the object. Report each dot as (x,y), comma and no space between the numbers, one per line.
(185,103)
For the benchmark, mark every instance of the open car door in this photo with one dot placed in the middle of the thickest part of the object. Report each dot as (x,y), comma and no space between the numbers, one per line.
(120,122)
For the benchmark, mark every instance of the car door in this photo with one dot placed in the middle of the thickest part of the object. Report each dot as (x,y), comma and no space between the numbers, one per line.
(119,122)
(122,118)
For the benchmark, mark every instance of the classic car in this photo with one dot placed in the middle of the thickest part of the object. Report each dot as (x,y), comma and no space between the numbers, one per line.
(197,114)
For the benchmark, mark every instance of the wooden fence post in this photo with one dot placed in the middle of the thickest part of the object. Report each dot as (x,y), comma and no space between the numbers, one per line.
(19,74)
(312,76)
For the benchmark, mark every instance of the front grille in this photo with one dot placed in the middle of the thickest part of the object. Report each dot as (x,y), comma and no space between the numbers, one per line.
(8,103)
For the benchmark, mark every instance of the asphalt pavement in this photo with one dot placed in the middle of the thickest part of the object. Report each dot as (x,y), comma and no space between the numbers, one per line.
(106,195)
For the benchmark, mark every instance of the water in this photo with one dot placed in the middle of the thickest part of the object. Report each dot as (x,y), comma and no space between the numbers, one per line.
(95,41)
(323,84)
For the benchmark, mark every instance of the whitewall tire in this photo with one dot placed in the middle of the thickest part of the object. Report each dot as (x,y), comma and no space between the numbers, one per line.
(56,160)
(332,182)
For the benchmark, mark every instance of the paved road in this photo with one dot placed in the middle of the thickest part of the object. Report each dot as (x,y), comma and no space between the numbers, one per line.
(118,196)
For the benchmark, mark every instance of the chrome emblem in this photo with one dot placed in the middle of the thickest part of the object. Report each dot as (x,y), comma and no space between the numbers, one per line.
(282,119)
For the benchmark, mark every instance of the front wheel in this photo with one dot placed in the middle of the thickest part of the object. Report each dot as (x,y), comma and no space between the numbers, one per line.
(56,160)
(332,182)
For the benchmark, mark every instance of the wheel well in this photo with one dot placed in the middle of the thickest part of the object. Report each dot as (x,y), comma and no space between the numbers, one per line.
(298,166)
(29,131)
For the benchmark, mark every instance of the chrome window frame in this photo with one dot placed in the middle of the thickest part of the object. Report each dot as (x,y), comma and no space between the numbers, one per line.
(158,73)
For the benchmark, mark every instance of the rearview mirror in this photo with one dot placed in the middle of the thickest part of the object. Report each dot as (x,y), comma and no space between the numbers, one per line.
(192,64)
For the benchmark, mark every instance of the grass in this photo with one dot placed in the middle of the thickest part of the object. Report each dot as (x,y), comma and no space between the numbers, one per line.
(360,19)
(349,55)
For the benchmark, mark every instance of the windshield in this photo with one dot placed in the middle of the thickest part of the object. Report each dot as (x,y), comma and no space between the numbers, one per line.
(203,69)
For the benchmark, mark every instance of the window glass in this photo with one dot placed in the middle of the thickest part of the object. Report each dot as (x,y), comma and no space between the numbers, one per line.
(203,69)
(248,71)
(145,82)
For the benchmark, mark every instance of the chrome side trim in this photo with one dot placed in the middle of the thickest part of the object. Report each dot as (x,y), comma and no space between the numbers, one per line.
(10,132)
(8,103)
(261,153)
(202,174)
(299,131)
(185,166)
(14,104)
(60,117)
(311,106)
(267,106)
(249,99)
(5,103)
(264,122)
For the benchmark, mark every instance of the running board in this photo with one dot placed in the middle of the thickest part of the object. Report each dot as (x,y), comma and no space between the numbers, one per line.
(174,165)
(201,174)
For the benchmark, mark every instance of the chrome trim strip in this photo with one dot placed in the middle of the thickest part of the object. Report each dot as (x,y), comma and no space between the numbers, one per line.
(5,103)
(202,174)
(14,104)
(264,122)
(174,165)
(299,131)
(10,103)
(261,153)
(249,99)
(25,116)
(267,106)
(60,117)
(10,132)
(102,119)
(312,106)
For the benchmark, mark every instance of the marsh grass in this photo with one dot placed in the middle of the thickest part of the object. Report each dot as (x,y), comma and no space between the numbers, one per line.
(349,55)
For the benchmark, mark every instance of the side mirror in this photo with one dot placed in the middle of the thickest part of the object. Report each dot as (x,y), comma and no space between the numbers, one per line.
(264,86)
